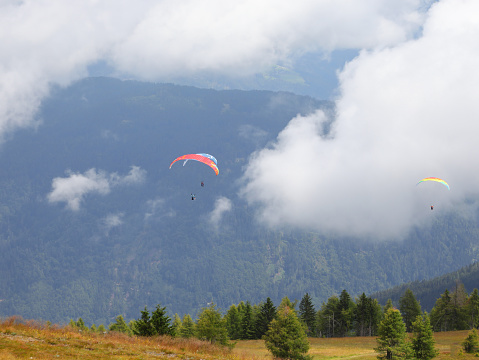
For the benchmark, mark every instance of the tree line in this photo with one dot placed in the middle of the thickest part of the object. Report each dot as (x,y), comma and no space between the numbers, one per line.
(339,316)
(285,329)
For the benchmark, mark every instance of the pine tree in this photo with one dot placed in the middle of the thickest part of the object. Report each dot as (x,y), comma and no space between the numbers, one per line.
(473,309)
(410,308)
(367,315)
(286,337)
(328,322)
(120,326)
(441,313)
(346,312)
(307,313)
(266,314)
(161,322)
(143,326)
(471,343)
(392,337)
(423,338)
(247,323)
(211,326)
(176,325)
(187,329)
(233,322)
(459,317)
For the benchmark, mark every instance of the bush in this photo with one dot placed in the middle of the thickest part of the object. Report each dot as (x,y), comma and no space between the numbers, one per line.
(471,343)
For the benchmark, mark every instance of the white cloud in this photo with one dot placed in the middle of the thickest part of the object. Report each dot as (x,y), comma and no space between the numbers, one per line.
(76,186)
(222,206)
(156,209)
(135,176)
(404,113)
(48,42)
(111,221)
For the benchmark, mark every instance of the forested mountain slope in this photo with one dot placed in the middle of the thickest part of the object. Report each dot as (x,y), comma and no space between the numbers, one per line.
(428,291)
(93,224)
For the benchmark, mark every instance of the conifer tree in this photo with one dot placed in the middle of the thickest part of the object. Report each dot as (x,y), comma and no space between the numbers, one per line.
(187,329)
(459,316)
(233,322)
(176,325)
(471,343)
(211,326)
(345,313)
(143,326)
(367,315)
(307,313)
(161,322)
(328,323)
(247,323)
(473,309)
(266,314)
(286,337)
(391,339)
(423,343)
(410,308)
(441,313)
(120,326)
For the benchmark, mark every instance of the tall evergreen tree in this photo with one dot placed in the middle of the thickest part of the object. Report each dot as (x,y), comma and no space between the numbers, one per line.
(423,343)
(473,309)
(410,308)
(286,337)
(266,314)
(161,322)
(346,313)
(459,316)
(176,325)
(307,313)
(391,339)
(143,326)
(367,316)
(211,326)
(247,323)
(187,329)
(328,321)
(441,313)
(233,322)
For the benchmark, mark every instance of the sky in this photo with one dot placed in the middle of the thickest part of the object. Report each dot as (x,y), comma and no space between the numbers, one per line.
(406,101)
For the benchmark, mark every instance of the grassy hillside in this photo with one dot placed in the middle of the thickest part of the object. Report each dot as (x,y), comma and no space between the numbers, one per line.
(32,340)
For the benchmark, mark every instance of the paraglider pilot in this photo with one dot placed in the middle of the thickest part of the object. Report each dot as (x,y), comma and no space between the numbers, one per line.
(193,197)
(432,207)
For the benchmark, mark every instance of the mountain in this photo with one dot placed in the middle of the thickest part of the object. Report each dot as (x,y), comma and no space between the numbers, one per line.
(94,224)
(428,291)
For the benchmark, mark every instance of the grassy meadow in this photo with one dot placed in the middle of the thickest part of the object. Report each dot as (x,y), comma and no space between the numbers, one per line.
(33,340)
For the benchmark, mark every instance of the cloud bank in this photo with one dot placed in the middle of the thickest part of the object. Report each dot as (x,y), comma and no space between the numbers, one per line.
(76,186)
(404,112)
(47,42)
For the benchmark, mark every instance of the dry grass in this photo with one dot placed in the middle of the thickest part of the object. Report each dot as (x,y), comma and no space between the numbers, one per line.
(360,348)
(33,340)
(21,339)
